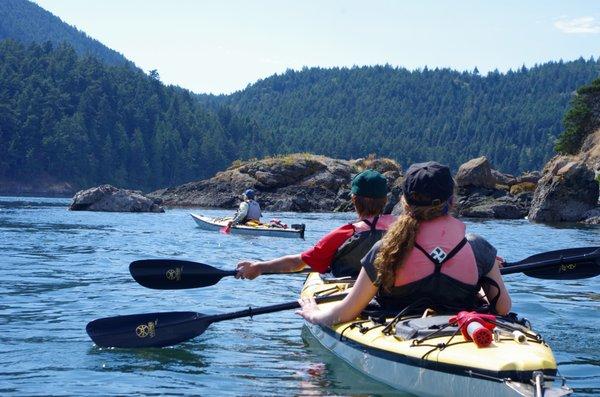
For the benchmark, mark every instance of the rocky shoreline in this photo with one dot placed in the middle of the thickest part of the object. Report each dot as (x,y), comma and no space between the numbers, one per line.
(310,183)
(42,187)
(567,190)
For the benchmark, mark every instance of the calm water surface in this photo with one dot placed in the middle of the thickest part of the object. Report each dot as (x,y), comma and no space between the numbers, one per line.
(61,269)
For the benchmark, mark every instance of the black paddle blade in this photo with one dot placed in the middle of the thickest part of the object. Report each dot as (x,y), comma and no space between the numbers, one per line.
(175,274)
(568,270)
(573,271)
(567,264)
(147,330)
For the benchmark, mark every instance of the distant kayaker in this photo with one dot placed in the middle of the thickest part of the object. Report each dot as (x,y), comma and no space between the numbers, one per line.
(341,250)
(249,210)
(424,260)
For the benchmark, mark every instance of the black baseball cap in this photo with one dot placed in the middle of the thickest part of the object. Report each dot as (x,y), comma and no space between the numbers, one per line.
(427,184)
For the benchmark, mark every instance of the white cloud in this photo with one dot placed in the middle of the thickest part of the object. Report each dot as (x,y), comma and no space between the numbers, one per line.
(583,25)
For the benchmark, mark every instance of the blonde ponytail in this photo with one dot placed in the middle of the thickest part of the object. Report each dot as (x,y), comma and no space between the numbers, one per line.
(399,240)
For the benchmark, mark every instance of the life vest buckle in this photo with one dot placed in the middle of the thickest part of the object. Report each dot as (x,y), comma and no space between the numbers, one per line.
(438,254)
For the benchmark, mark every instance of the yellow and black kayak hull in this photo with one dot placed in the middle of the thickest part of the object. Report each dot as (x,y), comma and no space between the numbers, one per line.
(439,366)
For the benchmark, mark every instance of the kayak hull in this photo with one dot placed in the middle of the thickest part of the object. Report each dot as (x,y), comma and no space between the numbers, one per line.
(461,369)
(418,380)
(212,224)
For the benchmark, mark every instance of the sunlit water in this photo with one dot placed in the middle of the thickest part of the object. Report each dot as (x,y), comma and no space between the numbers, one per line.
(61,269)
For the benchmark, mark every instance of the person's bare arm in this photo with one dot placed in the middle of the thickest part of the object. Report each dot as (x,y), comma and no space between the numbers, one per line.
(348,309)
(285,264)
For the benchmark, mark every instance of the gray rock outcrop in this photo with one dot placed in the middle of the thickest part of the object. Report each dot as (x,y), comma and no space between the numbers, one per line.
(111,199)
(567,192)
(477,173)
(296,182)
(483,192)
(529,177)
(503,179)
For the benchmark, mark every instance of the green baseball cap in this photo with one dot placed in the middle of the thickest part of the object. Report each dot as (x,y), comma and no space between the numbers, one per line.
(369,183)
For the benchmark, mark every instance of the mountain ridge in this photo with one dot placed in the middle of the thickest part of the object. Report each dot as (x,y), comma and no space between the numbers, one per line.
(411,116)
(26,22)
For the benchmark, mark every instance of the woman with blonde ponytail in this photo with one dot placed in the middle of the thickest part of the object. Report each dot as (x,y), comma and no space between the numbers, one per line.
(425,260)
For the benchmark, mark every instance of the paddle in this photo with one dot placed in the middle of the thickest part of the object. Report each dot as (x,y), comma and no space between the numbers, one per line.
(170,328)
(565,264)
(177,274)
(225,230)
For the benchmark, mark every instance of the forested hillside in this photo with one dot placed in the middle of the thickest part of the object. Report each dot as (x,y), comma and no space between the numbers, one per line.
(78,120)
(26,22)
(513,118)
(76,111)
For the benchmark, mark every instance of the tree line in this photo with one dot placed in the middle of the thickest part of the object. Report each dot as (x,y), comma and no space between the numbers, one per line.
(79,120)
(514,118)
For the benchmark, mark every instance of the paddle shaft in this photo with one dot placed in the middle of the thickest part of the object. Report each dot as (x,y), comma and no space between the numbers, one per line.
(250,312)
(172,274)
(229,273)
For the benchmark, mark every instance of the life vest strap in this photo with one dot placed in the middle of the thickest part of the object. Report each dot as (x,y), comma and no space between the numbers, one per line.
(371,224)
(493,301)
(439,262)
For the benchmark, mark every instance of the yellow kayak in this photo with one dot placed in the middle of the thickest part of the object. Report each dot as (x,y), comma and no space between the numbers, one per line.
(426,356)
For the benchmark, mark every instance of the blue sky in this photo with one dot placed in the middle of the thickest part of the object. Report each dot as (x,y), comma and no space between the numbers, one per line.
(222,46)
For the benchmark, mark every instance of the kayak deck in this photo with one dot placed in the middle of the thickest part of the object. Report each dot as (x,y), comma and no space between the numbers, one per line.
(439,365)
(216,224)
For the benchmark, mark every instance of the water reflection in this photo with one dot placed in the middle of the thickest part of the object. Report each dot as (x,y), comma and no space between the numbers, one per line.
(329,375)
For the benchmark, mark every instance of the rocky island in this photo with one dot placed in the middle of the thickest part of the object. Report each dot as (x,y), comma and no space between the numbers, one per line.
(111,199)
(297,182)
(312,183)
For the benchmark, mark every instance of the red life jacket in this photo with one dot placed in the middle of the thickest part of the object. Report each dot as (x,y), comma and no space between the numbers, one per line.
(439,271)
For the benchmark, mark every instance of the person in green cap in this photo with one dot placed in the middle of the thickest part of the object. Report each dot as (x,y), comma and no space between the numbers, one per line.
(341,250)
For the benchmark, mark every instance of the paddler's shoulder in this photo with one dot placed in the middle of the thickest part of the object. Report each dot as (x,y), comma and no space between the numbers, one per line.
(338,234)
